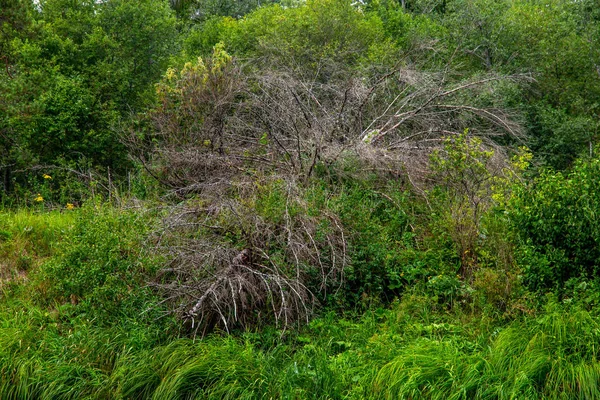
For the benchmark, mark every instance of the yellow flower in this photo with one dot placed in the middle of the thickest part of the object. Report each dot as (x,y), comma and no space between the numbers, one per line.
(70,206)
(39,198)
(46,176)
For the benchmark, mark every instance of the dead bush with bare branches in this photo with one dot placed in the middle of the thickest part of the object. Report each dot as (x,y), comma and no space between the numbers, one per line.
(218,119)
(222,132)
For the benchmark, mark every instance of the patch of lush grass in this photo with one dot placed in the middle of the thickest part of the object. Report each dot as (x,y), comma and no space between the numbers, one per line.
(81,308)
(552,356)
(27,238)
(411,350)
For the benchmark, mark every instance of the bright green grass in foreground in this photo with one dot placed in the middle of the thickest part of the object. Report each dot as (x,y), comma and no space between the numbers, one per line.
(81,324)
(384,355)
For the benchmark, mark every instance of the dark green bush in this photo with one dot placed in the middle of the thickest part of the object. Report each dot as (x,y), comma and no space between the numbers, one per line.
(387,254)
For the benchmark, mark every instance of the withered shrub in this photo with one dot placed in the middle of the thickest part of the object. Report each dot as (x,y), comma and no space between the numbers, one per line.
(227,136)
(258,255)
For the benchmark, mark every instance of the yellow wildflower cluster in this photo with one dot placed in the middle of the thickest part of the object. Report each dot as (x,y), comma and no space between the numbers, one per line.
(39,198)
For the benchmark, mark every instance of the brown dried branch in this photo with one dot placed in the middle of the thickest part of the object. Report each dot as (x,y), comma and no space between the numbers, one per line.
(211,283)
(7,66)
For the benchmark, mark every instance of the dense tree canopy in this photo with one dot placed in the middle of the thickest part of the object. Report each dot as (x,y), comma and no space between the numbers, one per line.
(77,70)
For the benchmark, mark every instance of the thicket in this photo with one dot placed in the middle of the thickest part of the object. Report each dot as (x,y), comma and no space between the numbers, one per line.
(555,216)
(318,199)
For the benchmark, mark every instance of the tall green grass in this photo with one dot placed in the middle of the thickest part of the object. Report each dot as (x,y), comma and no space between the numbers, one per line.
(84,302)
(386,354)
(554,356)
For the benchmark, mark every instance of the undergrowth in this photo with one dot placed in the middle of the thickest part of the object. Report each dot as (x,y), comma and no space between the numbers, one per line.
(82,321)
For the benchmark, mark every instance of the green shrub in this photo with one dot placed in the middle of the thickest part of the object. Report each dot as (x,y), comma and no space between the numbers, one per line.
(381,242)
(556,218)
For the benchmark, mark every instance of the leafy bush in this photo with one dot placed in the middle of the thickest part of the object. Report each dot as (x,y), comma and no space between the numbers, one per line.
(380,230)
(390,248)
(471,179)
(556,218)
